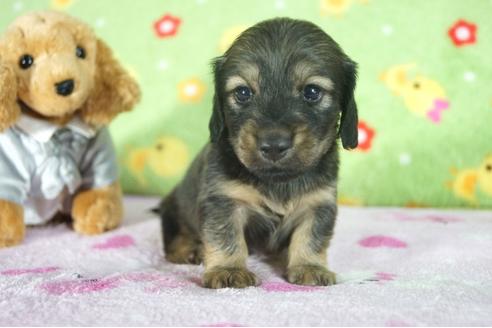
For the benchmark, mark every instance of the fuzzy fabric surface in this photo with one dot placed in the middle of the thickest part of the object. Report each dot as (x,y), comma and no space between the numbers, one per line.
(397,267)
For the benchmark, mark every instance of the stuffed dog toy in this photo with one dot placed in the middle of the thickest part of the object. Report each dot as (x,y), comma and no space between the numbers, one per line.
(268,178)
(59,87)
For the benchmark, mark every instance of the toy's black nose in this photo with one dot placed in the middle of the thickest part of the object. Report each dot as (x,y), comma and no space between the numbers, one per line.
(274,146)
(64,88)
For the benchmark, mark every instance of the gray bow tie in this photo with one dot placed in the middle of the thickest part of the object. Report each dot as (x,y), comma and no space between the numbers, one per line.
(60,169)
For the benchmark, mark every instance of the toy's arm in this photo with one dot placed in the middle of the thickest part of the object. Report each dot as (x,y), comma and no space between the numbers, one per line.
(98,206)
(100,166)
(13,190)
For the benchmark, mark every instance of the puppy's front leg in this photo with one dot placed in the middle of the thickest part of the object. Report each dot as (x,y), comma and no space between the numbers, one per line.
(225,249)
(307,259)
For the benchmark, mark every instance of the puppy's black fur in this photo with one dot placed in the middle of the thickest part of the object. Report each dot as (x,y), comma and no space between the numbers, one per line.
(268,177)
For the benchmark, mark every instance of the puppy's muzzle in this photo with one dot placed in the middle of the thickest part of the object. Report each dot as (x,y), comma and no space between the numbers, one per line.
(274,145)
(65,88)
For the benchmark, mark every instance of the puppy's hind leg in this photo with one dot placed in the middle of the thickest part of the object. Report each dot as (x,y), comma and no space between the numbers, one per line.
(181,245)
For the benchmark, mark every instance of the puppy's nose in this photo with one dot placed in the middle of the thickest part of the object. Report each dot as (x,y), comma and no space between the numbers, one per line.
(274,147)
(64,88)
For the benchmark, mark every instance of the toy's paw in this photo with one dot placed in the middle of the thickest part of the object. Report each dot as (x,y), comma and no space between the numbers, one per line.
(12,227)
(98,210)
(229,278)
(312,275)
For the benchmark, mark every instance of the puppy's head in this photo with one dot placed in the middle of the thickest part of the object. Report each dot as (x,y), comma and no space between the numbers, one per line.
(281,89)
(61,67)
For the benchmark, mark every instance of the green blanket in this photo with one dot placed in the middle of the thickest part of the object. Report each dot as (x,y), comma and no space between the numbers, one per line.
(424,90)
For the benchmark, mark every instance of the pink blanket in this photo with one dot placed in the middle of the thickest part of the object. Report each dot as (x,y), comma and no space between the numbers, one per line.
(397,267)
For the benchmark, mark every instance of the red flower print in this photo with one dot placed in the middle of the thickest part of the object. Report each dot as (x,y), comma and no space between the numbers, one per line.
(167,26)
(366,133)
(462,33)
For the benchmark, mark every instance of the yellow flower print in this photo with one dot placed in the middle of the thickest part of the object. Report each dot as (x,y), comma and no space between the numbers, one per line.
(229,36)
(191,91)
(61,4)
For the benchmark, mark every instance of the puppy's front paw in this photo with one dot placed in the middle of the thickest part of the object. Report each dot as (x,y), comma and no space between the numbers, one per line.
(95,211)
(229,277)
(312,275)
(12,227)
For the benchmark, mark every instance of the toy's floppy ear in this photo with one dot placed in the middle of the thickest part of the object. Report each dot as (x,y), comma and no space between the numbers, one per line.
(114,90)
(217,124)
(9,109)
(348,122)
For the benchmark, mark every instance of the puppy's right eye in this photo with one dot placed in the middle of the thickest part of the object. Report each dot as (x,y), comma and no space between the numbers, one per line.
(312,93)
(243,94)
(26,61)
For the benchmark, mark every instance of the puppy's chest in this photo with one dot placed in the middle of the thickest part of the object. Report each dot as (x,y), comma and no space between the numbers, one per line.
(276,210)
(283,208)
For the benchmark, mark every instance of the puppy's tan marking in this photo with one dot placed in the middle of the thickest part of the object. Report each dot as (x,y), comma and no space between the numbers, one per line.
(215,256)
(300,252)
(302,71)
(251,73)
(245,143)
(251,197)
(304,265)
(308,148)
(248,76)
(233,82)
(223,269)
(327,85)
(324,82)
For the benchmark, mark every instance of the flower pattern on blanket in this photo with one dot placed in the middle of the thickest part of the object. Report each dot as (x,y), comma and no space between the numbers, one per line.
(442,219)
(79,286)
(16,272)
(279,286)
(153,283)
(121,241)
(382,241)
(223,324)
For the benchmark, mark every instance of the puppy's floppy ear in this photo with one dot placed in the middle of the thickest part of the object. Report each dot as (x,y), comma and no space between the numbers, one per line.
(348,122)
(217,124)
(9,109)
(114,90)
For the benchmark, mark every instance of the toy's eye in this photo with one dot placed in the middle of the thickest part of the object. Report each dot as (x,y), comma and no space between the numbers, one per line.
(488,167)
(416,85)
(159,147)
(243,94)
(312,93)
(26,61)
(80,52)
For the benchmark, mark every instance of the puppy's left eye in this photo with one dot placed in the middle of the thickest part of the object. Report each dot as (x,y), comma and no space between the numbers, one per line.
(312,93)
(80,52)
(243,94)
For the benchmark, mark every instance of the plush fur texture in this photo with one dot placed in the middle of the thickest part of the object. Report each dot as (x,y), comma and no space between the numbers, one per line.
(102,89)
(268,179)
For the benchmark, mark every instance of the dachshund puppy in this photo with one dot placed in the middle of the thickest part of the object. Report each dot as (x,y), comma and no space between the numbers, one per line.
(268,178)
